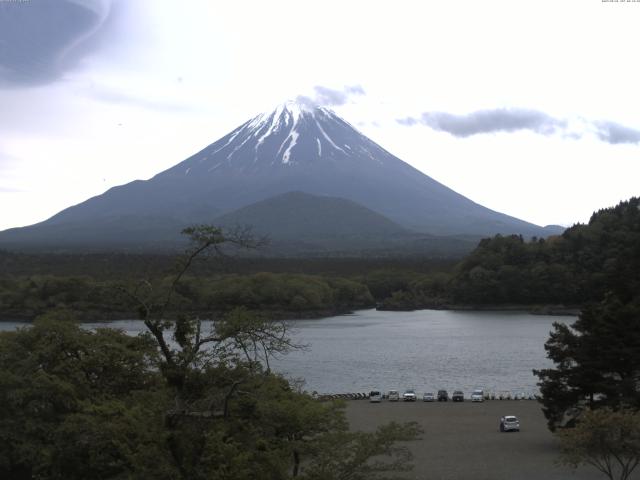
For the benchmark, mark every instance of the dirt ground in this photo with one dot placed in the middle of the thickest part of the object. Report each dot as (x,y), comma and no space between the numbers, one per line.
(462,440)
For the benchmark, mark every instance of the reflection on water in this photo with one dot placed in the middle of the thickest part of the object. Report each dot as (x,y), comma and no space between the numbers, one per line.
(426,350)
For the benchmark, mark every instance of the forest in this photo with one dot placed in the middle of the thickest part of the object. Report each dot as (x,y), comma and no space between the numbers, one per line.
(571,269)
(566,270)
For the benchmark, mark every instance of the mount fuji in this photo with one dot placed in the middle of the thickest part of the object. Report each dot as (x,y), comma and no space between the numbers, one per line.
(294,148)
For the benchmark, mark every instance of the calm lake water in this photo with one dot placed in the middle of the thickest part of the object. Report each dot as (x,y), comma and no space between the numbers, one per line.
(426,350)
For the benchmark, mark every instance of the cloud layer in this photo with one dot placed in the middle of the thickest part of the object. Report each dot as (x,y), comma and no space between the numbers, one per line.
(615,133)
(41,39)
(516,119)
(330,97)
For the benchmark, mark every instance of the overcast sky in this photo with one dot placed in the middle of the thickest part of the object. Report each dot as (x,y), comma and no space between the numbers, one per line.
(531,108)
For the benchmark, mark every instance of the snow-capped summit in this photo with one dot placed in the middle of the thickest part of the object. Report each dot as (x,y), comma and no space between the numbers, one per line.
(289,112)
(294,133)
(296,147)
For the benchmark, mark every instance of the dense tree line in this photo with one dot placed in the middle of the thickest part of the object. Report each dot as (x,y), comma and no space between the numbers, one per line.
(30,284)
(575,268)
(579,266)
(118,266)
(508,269)
(279,294)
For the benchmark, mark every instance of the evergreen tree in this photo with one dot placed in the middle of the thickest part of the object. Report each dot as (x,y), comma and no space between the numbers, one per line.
(597,362)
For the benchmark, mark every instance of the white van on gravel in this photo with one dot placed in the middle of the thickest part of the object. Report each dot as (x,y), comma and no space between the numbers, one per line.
(375,396)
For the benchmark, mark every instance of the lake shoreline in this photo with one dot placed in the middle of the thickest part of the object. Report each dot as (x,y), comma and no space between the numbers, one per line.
(102,317)
(107,317)
(535,309)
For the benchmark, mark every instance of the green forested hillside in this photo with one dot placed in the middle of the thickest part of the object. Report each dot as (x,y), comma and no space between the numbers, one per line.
(296,215)
(579,266)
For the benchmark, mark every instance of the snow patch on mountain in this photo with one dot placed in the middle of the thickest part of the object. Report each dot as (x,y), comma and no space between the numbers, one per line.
(291,135)
(234,134)
(283,122)
(328,138)
(287,153)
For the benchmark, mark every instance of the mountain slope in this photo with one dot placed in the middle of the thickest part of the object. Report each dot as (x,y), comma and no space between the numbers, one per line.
(298,215)
(301,224)
(293,148)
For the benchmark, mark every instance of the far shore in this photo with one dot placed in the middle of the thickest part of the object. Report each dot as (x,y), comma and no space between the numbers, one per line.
(95,317)
(572,310)
(106,317)
(569,310)
(462,441)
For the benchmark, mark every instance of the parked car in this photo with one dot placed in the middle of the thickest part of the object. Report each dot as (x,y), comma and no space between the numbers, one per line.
(477,395)
(375,396)
(443,396)
(394,396)
(428,397)
(409,396)
(509,423)
(504,395)
(458,396)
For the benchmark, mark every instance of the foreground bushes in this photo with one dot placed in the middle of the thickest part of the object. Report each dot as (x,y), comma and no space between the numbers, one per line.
(78,404)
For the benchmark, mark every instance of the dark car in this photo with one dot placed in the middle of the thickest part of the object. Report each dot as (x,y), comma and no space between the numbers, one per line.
(443,396)
(457,396)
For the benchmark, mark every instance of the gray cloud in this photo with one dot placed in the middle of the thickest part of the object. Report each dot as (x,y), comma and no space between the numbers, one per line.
(515,119)
(488,121)
(615,133)
(408,121)
(41,39)
(328,97)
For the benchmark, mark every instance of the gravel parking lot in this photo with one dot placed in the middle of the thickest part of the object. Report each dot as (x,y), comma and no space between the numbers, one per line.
(462,440)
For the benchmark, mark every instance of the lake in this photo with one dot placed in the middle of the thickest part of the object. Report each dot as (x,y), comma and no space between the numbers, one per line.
(426,350)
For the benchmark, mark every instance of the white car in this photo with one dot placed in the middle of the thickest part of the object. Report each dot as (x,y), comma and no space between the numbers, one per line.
(509,423)
(394,396)
(428,397)
(409,396)
(477,395)
(375,396)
